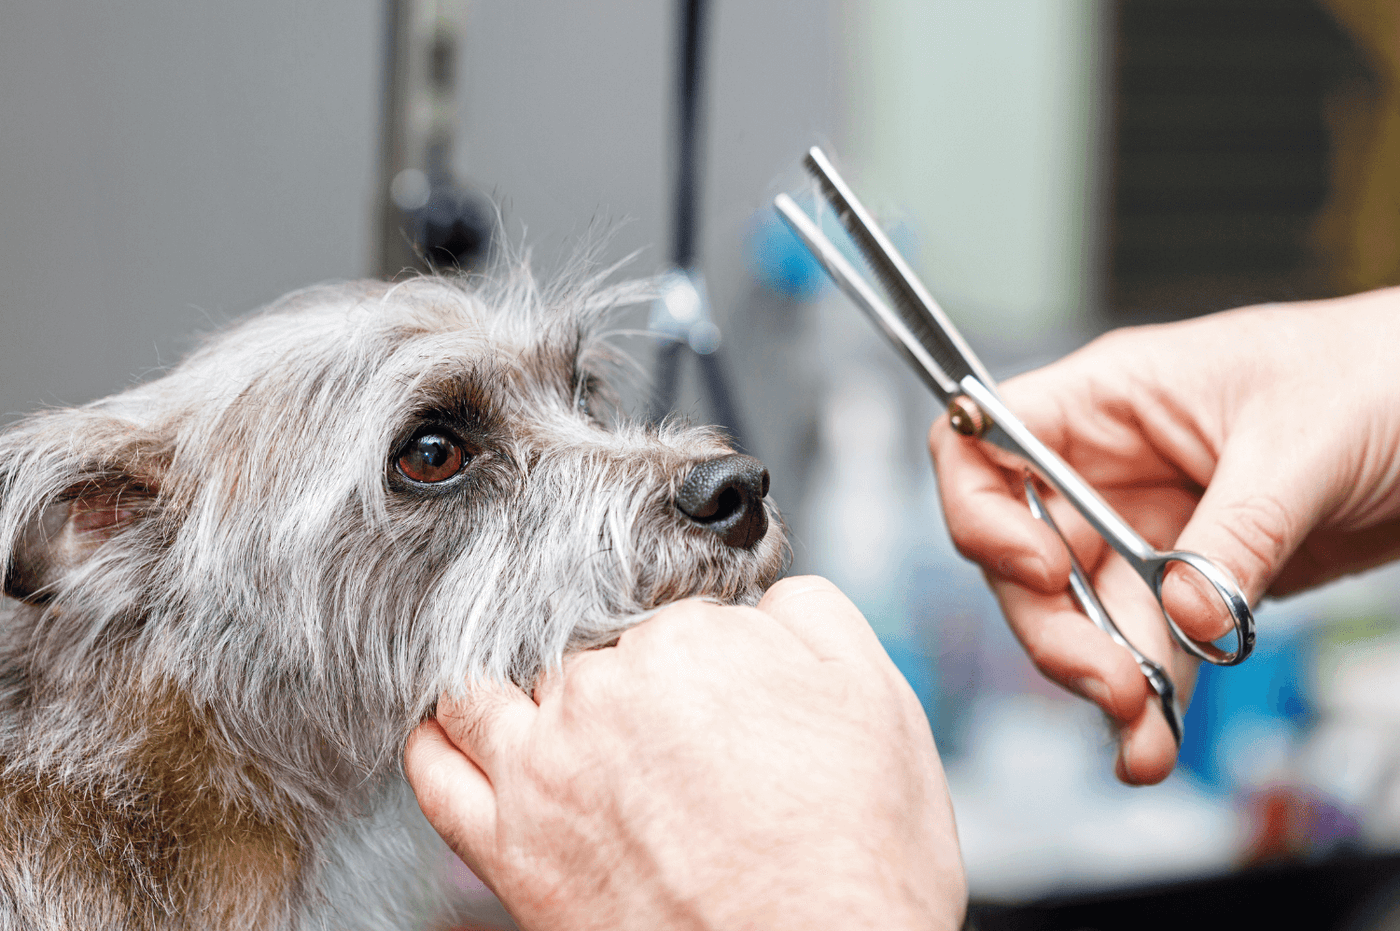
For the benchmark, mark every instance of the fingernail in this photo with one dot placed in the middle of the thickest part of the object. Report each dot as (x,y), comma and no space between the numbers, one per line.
(1120,767)
(1191,599)
(1092,689)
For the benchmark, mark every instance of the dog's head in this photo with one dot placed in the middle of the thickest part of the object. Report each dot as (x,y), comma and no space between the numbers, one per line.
(358,499)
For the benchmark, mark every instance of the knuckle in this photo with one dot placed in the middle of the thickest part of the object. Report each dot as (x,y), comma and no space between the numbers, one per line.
(1042,653)
(582,678)
(681,614)
(453,715)
(964,547)
(1113,345)
(1059,655)
(803,583)
(675,621)
(470,720)
(1261,528)
(796,587)
(1046,664)
(475,729)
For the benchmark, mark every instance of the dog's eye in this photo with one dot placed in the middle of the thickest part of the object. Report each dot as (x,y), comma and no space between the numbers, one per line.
(430,458)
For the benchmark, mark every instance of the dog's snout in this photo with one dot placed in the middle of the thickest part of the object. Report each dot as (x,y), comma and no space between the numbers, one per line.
(725,496)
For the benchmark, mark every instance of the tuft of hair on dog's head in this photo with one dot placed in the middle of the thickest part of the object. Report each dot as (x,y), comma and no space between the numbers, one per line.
(236,533)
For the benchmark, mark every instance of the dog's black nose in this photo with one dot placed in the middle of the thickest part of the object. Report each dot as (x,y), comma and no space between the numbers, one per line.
(725,496)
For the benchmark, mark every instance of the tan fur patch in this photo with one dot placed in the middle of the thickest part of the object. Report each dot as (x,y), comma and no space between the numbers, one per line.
(151,843)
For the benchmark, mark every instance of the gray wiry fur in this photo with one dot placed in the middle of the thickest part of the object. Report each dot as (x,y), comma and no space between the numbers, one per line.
(234,610)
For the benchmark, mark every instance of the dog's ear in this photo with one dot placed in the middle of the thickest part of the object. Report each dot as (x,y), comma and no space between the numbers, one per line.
(65,532)
(69,482)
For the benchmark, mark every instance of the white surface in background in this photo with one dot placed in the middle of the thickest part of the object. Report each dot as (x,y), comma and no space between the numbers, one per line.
(1039,812)
(859,527)
(1363,683)
(980,118)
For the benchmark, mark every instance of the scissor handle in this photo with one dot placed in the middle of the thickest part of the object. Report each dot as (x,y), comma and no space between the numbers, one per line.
(1093,608)
(1006,431)
(1154,572)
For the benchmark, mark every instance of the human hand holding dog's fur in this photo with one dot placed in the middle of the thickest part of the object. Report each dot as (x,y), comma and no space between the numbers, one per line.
(1265,438)
(720,767)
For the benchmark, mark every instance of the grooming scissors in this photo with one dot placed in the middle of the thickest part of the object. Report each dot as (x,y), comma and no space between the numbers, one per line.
(919,329)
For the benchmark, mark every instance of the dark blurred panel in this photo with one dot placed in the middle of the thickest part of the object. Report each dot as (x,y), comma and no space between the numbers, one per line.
(1346,894)
(1222,152)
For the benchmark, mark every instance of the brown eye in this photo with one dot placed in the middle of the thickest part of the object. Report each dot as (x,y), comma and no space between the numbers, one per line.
(431,457)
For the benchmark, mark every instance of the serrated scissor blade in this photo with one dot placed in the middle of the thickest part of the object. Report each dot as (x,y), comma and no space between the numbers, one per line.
(909,299)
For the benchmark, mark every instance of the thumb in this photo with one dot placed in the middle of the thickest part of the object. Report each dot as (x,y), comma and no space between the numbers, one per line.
(488,722)
(455,761)
(1257,510)
(454,794)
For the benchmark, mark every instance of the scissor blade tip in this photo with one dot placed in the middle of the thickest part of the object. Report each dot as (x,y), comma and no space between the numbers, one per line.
(816,161)
(786,206)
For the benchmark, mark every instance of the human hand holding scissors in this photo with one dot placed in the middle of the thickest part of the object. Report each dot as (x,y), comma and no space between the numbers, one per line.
(1199,600)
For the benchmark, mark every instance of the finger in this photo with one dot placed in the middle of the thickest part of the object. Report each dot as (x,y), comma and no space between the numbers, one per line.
(1089,548)
(487,721)
(455,796)
(1134,610)
(822,617)
(1069,650)
(1146,749)
(1256,511)
(551,685)
(987,518)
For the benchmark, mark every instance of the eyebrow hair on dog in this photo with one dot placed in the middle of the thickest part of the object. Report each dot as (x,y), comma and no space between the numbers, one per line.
(464,394)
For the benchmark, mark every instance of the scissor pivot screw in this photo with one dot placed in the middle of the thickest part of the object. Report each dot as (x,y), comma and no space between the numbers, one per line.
(966,417)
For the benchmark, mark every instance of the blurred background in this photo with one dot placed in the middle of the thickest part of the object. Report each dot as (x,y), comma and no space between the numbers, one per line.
(1053,168)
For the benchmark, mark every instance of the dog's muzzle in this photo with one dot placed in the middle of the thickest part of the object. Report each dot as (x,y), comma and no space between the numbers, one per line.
(725,496)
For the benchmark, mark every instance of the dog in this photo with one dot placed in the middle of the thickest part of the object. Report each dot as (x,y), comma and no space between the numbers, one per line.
(234,590)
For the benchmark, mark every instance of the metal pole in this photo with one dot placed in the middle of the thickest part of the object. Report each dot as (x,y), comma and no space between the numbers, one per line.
(426,219)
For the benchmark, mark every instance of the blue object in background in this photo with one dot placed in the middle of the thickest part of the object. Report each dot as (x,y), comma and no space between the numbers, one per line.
(918,668)
(934,616)
(1232,707)
(779,260)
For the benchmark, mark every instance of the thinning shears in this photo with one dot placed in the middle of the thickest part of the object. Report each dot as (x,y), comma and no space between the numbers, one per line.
(918,328)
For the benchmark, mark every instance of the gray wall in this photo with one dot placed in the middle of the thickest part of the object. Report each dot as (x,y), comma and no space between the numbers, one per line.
(567,121)
(165,166)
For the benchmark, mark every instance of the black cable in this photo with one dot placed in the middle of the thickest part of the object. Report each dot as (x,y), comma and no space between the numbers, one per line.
(726,413)
(691,19)
(667,378)
(689,86)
